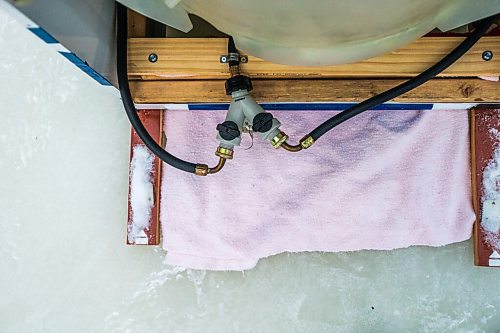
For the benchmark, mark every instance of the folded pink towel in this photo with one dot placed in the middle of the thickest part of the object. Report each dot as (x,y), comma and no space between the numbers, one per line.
(383,180)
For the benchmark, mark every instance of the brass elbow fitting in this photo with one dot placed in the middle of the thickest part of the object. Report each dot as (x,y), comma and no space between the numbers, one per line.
(279,139)
(223,154)
(218,167)
(291,148)
(304,143)
(204,170)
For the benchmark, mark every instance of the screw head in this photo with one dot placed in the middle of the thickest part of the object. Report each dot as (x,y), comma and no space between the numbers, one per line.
(153,57)
(487,55)
(223,59)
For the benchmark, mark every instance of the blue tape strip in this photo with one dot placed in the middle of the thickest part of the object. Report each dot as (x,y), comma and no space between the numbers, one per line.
(312,106)
(44,35)
(49,39)
(86,68)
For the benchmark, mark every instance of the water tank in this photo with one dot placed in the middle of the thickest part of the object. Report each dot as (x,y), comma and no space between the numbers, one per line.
(319,32)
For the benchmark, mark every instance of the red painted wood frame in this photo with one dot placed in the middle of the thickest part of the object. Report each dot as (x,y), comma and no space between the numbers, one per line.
(483,145)
(153,121)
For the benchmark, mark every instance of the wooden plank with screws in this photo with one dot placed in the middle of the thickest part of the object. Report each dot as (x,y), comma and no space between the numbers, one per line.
(199,58)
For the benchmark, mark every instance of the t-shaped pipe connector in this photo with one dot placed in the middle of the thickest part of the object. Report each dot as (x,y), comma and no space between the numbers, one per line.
(262,122)
(243,109)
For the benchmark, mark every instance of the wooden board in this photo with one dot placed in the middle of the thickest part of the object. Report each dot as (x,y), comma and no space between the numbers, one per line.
(315,90)
(153,121)
(198,58)
(483,144)
(136,24)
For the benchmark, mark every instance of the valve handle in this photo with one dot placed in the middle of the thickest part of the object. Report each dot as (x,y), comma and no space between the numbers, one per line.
(262,122)
(228,130)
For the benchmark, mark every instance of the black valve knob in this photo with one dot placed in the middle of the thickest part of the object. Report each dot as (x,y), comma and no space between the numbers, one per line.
(238,82)
(262,122)
(228,130)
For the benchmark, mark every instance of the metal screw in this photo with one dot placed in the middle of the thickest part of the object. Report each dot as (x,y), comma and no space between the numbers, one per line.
(223,59)
(153,57)
(243,59)
(487,55)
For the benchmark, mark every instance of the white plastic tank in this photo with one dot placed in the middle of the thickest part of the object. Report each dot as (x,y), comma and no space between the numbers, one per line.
(319,32)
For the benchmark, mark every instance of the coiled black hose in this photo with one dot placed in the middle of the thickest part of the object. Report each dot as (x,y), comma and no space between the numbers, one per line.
(452,57)
(135,121)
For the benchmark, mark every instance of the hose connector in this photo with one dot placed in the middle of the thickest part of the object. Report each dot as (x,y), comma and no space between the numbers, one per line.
(224,153)
(218,167)
(278,139)
(201,170)
(306,141)
(204,170)
(234,70)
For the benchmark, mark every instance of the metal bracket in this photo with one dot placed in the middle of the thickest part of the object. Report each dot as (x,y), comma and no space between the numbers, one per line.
(224,59)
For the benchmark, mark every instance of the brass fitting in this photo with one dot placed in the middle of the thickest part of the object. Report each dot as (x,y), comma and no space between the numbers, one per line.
(204,170)
(306,141)
(278,140)
(201,170)
(225,153)
(218,167)
(234,70)
(291,148)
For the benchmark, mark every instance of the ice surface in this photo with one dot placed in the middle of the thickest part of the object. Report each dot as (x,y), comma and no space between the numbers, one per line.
(64,144)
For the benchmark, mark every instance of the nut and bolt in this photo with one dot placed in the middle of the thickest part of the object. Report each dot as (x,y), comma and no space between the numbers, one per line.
(487,55)
(153,57)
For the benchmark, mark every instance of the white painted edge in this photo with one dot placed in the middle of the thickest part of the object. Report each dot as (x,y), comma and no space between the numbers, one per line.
(58,47)
(454,106)
(494,263)
(176,107)
(495,255)
(494,260)
(141,238)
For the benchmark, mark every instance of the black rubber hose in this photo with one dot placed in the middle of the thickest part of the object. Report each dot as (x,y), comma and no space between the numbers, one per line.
(135,121)
(231,48)
(403,88)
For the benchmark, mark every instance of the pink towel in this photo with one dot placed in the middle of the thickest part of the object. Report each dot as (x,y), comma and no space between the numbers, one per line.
(383,180)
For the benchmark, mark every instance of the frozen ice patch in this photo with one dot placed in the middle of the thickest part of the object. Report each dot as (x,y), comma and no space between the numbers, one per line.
(141,194)
(490,217)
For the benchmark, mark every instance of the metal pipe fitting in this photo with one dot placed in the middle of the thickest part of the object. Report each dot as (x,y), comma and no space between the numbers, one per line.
(225,153)
(201,170)
(204,170)
(307,141)
(291,148)
(218,167)
(279,139)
